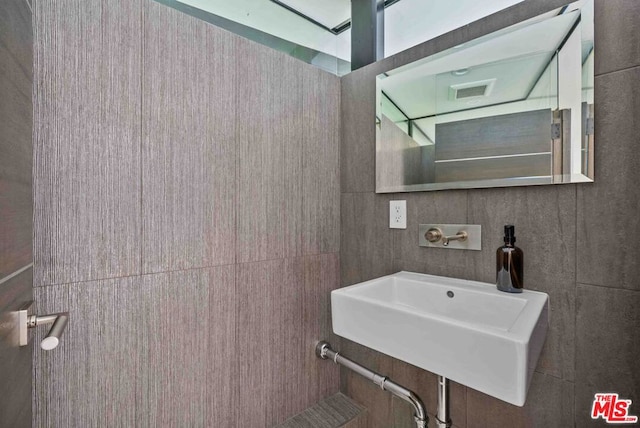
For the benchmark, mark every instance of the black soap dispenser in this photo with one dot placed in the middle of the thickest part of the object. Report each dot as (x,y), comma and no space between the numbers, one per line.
(509,261)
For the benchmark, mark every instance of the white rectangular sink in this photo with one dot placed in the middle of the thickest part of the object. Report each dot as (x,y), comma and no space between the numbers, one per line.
(466,331)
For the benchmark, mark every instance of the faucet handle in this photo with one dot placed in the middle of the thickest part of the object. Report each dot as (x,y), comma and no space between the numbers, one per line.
(433,235)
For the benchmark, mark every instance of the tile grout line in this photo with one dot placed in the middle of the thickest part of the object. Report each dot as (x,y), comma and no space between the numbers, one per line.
(575,302)
(34,48)
(136,275)
(141,152)
(300,240)
(236,46)
(236,186)
(617,71)
(633,290)
(182,270)
(339,166)
(236,145)
(136,403)
(553,376)
(365,191)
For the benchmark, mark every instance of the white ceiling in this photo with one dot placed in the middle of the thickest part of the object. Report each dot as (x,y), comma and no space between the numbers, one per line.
(410,22)
(407,23)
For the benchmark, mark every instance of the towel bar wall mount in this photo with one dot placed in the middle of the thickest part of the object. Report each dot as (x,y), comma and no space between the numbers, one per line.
(26,320)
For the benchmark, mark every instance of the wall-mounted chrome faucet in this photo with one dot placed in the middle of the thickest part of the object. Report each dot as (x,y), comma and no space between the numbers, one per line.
(26,321)
(435,234)
(455,236)
(460,236)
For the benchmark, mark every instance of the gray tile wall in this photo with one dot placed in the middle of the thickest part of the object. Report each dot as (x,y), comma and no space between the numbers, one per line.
(574,237)
(87,155)
(187,215)
(188,111)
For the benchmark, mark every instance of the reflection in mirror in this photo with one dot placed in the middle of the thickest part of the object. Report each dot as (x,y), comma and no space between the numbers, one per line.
(511,108)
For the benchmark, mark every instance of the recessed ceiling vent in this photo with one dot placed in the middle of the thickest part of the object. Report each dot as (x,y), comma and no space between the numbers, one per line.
(468,90)
(474,91)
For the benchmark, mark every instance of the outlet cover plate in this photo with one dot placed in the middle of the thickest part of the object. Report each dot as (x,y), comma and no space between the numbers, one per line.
(398,214)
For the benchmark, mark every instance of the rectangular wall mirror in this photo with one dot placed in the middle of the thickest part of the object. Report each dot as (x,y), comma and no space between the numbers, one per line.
(512,108)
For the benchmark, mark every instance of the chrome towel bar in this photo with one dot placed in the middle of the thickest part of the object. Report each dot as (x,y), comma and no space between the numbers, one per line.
(25,320)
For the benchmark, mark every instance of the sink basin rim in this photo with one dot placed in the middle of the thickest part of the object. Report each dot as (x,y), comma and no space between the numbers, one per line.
(535,300)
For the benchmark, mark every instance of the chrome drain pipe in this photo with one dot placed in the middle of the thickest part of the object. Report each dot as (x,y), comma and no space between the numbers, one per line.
(324,351)
(442,416)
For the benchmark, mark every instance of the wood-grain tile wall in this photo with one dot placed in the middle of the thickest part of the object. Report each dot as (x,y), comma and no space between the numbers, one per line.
(87,140)
(269,154)
(187,199)
(320,162)
(283,308)
(189,143)
(140,351)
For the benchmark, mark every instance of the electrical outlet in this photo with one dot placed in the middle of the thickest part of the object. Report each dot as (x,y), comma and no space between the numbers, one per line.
(398,214)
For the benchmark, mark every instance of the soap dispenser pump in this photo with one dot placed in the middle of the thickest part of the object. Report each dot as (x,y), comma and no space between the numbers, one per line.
(509,262)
